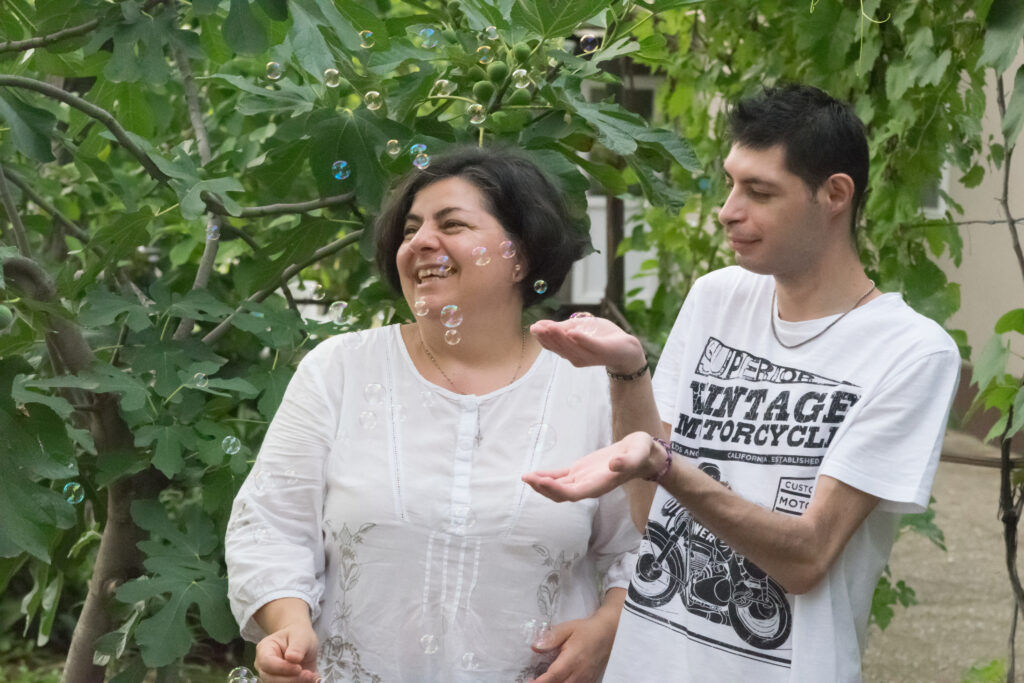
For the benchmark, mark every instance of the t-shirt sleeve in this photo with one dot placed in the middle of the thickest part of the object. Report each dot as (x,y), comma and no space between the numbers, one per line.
(274,544)
(666,378)
(890,445)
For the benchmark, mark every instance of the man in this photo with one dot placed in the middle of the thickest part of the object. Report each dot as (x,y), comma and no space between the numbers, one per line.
(804,409)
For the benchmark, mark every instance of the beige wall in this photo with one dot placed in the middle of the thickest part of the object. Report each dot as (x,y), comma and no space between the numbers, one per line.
(991,282)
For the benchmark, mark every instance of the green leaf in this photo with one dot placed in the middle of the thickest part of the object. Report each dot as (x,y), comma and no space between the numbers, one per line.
(31,127)
(355,138)
(1004,26)
(275,9)
(555,18)
(134,110)
(990,363)
(271,384)
(200,304)
(193,206)
(32,514)
(181,578)
(171,441)
(1011,321)
(1013,121)
(243,32)
(23,394)
(308,44)
(103,308)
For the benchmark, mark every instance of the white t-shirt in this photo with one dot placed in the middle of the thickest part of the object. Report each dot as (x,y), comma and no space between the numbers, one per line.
(395,509)
(865,403)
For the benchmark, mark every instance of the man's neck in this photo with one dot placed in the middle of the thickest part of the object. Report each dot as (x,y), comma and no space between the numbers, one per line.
(832,286)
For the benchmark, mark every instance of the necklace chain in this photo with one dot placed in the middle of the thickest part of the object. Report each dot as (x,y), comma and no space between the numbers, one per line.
(771,320)
(519,365)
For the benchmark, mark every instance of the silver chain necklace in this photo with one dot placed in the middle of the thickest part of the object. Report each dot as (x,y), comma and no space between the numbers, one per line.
(771,320)
(519,365)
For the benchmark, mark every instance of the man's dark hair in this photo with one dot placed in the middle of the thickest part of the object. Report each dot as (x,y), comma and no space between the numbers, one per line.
(819,134)
(525,202)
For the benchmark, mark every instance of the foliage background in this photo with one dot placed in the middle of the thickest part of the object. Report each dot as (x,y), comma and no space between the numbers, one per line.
(120,299)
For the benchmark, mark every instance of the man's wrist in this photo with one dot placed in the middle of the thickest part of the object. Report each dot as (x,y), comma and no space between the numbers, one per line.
(663,464)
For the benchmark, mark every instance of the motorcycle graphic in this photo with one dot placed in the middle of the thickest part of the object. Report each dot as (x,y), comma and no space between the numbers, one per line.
(713,581)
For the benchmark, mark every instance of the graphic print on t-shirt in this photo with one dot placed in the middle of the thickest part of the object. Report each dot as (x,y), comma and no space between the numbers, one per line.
(762,429)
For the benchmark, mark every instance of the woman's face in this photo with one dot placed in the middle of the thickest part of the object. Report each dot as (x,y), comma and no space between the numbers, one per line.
(454,251)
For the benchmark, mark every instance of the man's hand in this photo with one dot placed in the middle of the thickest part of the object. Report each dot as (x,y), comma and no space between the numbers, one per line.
(288,656)
(591,341)
(596,474)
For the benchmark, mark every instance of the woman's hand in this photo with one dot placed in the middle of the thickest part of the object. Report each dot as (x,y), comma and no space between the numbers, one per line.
(583,644)
(599,472)
(591,341)
(288,655)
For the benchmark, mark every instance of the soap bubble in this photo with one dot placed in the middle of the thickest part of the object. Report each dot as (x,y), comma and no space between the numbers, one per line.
(443,263)
(491,32)
(374,394)
(332,79)
(417,149)
(428,38)
(452,337)
(368,419)
(241,675)
(420,308)
(212,232)
(393,148)
(200,380)
(540,286)
(484,54)
(337,311)
(74,493)
(367,39)
(319,292)
(442,88)
(508,249)
(429,644)
(373,100)
(477,113)
(341,170)
(521,79)
(469,662)
(451,316)
(421,161)
(274,71)
(543,435)
(428,399)
(481,256)
(589,43)
(231,445)
(581,314)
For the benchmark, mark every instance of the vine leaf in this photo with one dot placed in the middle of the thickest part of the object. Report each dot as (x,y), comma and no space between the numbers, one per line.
(555,18)
(1014,118)
(1003,27)
(1011,321)
(243,32)
(991,362)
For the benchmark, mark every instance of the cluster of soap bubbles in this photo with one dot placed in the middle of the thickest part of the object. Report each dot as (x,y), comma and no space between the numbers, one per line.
(242,675)
(534,631)
(451,318)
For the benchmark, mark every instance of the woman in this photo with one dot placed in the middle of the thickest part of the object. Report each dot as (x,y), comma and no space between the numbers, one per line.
(385,518)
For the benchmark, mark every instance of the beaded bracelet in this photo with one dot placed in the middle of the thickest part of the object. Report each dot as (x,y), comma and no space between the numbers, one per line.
(631,376)
(657,477)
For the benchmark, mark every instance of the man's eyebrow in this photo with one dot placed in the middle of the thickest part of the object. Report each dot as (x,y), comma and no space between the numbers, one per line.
(753,180)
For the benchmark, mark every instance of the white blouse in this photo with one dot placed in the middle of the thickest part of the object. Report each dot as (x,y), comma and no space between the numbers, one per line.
(395,509)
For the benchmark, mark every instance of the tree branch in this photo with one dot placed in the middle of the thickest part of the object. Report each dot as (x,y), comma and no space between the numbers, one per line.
(1004,199)
(202,279)
(20,238)
(36,198)
(321,253)
(98,113)
(42,41)
(195,115)
(214,206)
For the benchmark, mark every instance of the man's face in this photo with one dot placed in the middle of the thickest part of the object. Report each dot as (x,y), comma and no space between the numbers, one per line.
(774,223)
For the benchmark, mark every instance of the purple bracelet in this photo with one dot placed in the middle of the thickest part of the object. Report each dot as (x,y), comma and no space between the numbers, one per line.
(668,460)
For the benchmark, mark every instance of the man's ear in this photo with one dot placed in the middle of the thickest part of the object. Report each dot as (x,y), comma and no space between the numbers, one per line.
(838,192)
